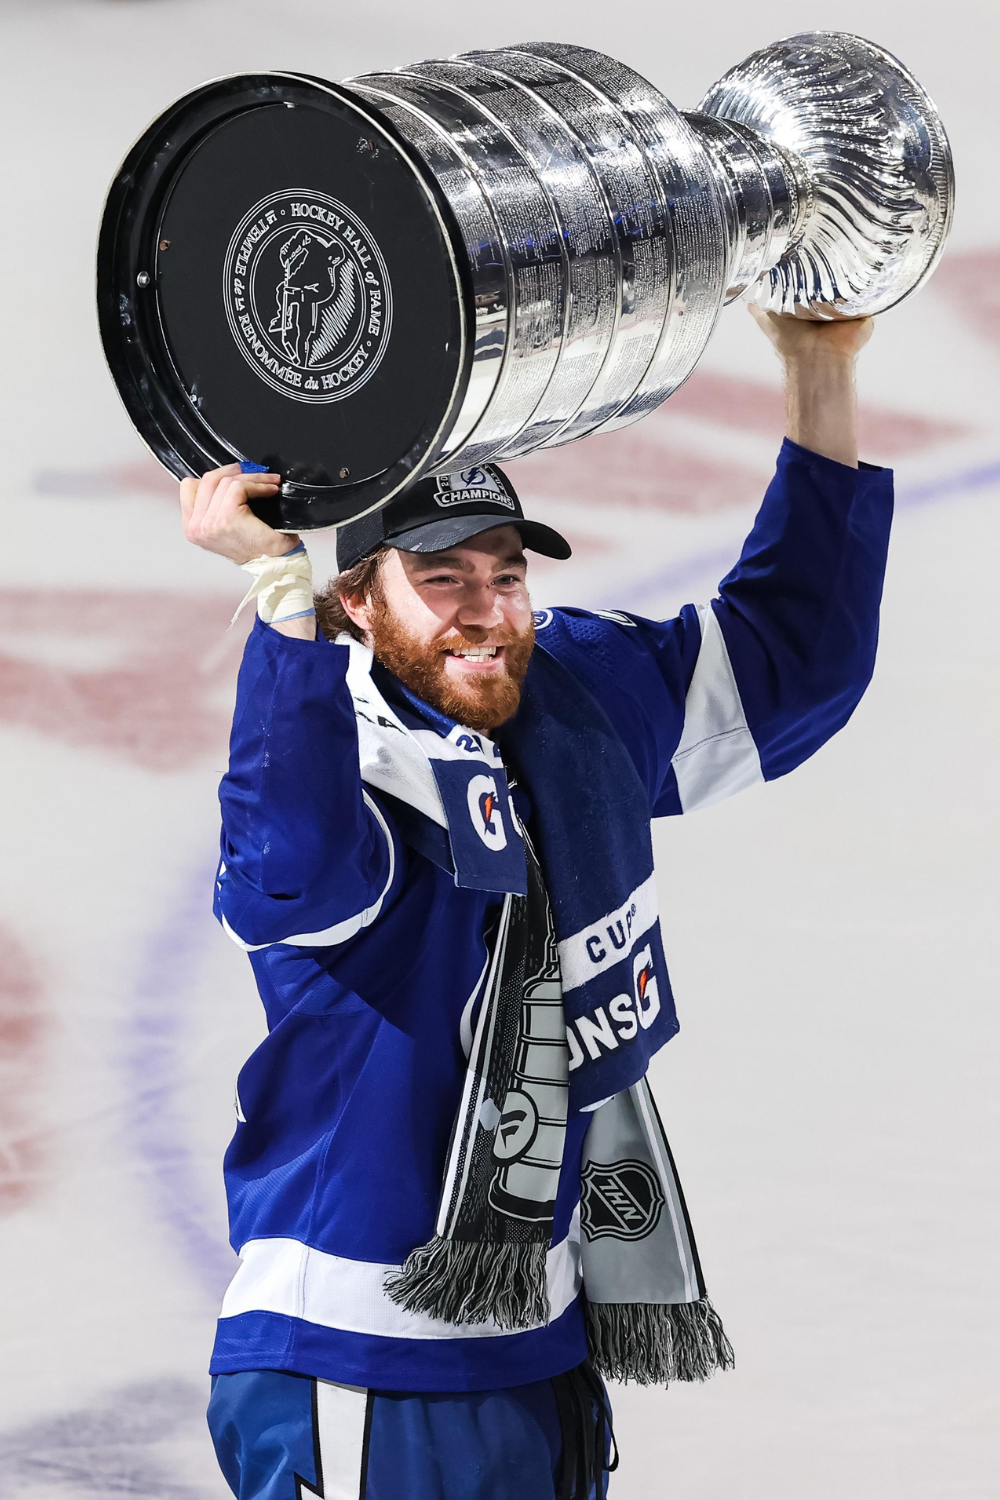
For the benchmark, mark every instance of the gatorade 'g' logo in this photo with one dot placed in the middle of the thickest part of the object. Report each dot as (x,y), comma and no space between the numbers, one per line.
(485,812)
(647,991)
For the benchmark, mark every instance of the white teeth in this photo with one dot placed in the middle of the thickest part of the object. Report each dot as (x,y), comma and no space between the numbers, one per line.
(477,653)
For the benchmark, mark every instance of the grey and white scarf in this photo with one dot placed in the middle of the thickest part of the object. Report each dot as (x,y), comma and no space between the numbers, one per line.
(648,1315)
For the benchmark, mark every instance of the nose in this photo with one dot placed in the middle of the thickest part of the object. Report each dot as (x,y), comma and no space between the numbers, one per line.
(479,612)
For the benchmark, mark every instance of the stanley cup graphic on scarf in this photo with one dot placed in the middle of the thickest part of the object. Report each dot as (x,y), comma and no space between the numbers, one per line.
(648,1317)
(531,1134)
(494,1229)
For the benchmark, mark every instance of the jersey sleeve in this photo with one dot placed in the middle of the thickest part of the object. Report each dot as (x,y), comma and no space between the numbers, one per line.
(308,856)
(745,688)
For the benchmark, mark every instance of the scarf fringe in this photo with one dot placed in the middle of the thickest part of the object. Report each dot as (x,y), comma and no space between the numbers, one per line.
(470,1281)
(656,1343)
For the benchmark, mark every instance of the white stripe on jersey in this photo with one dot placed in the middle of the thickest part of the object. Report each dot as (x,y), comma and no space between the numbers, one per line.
(716,755)
(286,1277)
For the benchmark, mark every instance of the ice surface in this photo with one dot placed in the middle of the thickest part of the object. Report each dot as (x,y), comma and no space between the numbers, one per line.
(831,1097)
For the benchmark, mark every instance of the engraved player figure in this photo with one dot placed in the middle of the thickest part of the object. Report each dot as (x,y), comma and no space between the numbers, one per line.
(306,322)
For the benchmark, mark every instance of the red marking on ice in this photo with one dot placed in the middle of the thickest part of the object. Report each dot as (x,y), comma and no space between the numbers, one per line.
(658,468)
(752,406)
(22,1154)
(158,704)
(971,282)
(637,468)
(584,545)
(653,466)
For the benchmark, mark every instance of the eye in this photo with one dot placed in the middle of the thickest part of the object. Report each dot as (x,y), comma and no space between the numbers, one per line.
(508,580)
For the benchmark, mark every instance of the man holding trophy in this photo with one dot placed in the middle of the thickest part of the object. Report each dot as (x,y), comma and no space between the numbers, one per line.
(454,1203)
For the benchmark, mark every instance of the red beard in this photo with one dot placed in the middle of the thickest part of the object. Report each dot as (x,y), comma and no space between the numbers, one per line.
(482,704)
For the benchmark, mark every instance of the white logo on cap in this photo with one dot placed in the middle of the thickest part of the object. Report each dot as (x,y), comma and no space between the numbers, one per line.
(471,485)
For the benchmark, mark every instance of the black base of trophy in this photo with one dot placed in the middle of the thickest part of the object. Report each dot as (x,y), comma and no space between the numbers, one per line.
(278,282)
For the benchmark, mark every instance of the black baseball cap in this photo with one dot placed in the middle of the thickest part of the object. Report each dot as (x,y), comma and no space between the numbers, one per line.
(442,511)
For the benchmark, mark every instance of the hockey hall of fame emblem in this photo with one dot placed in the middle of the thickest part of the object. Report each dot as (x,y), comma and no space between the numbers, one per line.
(307,295)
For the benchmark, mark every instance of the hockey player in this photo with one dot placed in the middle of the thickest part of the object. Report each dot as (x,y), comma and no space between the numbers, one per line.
(451,1194)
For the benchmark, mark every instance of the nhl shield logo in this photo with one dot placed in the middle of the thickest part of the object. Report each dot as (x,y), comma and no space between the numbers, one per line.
(621,1201)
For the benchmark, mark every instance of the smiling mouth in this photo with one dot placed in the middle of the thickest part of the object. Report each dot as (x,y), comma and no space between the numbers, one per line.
(478,658)
(476,653)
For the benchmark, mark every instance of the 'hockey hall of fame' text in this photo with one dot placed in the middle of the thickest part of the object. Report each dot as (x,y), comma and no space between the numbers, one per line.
(307,295)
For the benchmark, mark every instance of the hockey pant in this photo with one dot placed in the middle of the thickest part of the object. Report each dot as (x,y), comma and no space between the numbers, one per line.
(290,1437)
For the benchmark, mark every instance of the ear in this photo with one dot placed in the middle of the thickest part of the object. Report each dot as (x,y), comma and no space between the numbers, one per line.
(358,610)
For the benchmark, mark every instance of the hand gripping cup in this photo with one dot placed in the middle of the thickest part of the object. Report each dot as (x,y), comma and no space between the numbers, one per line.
(421,270)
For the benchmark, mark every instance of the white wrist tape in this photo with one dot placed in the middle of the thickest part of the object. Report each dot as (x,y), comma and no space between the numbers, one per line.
(282,586)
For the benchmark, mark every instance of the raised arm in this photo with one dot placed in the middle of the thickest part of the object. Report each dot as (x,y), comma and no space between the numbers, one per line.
(216,515)
(307,855)
(799,613)
(745,688)
(821,408)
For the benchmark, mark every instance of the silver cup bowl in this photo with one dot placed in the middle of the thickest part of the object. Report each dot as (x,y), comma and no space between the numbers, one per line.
(557,241)
(605,229)
(857,148)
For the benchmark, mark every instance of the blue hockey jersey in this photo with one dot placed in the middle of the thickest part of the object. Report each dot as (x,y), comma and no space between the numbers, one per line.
(368,956)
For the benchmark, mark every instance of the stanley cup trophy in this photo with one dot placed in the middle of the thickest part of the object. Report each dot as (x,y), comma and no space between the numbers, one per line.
(421,270)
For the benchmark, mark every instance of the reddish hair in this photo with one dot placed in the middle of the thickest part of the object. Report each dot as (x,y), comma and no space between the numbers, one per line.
(362,581)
